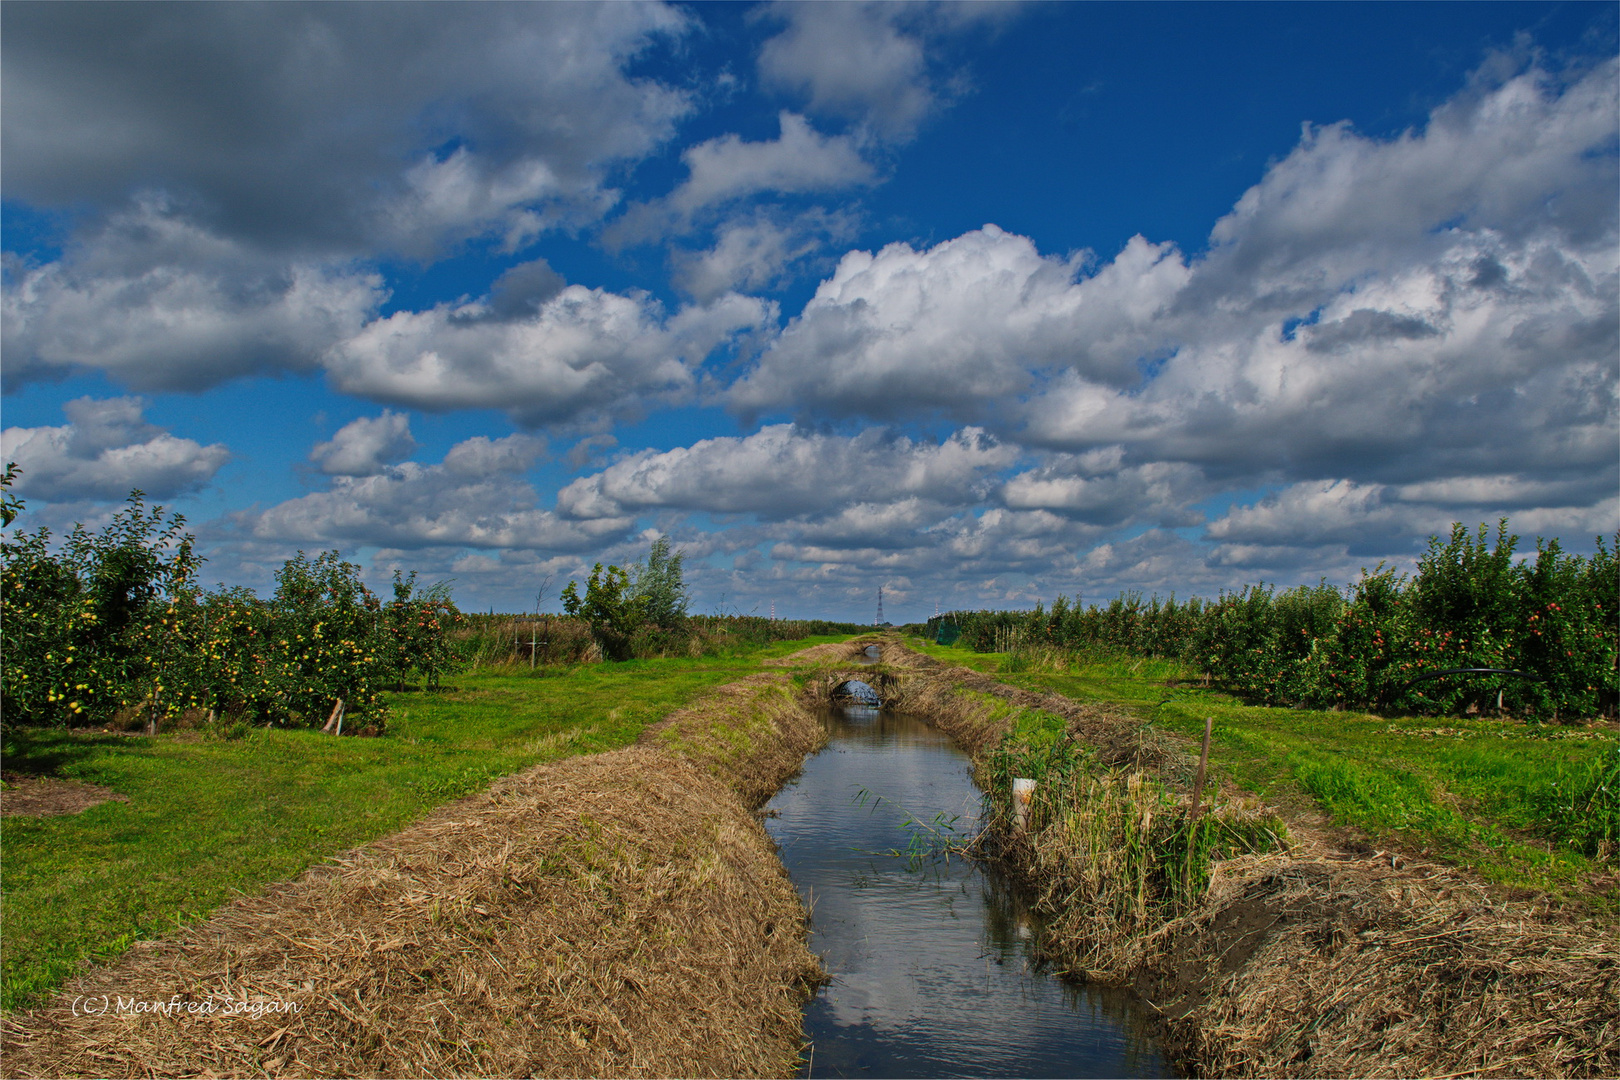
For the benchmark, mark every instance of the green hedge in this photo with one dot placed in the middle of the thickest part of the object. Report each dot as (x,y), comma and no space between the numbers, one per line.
(1472,604)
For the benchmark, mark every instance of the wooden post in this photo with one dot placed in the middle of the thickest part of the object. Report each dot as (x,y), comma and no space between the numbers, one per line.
(534,643)
(1192,818)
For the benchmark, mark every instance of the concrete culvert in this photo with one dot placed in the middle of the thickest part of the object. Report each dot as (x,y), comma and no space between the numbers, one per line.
(873,651)
(856,690)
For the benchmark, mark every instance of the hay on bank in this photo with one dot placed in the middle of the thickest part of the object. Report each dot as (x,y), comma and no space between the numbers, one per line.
(751,735)
(1326,964)
(613,915)
(826,653)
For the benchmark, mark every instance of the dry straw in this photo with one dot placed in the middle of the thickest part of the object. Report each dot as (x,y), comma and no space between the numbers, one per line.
(615,915)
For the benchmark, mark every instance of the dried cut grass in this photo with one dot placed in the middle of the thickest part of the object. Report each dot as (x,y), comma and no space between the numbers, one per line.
(1315,961)
(752,735)
(1320,963)
(827,653)
(615,915)
(832,652)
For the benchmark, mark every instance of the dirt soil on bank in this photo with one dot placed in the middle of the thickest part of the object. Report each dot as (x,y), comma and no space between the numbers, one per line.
(622,914)
(1331,959)
(45,796)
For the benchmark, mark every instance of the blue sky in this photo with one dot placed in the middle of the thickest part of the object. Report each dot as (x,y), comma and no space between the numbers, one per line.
(981,303)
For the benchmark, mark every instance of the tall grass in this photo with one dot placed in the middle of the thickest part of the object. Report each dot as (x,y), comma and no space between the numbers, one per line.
(1583,807)
(1115,852)
(512,643)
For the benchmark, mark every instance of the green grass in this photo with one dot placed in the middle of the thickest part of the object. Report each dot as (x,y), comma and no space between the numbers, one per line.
(209,819)
(1473,791)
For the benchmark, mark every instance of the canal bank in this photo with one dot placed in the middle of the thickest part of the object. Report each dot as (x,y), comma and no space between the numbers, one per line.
(1291,949)
(617,914)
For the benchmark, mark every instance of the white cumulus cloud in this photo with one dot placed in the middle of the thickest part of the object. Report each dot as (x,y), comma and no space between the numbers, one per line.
(583,355)
(159,303)
(476,497)
(963,328)
(366,446)
(782,471)
(870,62)
(106,449)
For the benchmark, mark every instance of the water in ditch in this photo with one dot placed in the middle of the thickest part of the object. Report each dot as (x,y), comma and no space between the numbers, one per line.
(930,956)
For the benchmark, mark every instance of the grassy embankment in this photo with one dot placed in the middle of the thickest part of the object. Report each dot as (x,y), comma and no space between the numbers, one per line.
(1327,956)
(1476,792)
(211,818)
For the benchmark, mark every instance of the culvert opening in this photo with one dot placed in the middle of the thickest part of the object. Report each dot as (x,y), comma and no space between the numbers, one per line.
(857,691)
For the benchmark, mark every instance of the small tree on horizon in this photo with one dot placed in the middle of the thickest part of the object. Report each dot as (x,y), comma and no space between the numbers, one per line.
(660,584)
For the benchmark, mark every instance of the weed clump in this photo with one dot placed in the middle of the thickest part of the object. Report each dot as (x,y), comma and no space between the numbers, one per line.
(1583,807)
(1114,851)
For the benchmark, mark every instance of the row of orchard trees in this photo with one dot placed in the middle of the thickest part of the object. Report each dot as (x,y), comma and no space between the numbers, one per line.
(113,625)
(1376,644)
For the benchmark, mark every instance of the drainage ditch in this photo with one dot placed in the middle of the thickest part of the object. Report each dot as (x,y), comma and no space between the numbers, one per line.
(930,956)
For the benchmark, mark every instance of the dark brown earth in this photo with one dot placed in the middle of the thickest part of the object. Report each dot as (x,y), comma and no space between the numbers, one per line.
(45,796)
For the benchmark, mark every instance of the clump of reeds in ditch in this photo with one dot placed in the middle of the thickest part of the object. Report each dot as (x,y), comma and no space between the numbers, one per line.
(1114,854)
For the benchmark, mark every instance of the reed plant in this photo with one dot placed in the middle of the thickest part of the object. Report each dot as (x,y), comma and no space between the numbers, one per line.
(1116,853)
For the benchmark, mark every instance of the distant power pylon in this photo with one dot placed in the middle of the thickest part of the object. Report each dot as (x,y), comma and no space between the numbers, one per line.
(773,611)
(879,620)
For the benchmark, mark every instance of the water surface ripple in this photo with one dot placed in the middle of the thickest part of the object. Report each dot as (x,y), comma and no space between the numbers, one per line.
(930,956)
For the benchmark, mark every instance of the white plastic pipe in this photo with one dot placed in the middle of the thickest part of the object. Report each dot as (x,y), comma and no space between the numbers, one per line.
(1023,792)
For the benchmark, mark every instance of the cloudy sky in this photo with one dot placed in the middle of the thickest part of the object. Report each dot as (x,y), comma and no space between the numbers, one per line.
(981,303)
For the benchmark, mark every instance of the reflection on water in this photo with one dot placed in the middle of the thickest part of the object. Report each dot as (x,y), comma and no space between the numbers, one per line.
(930,956)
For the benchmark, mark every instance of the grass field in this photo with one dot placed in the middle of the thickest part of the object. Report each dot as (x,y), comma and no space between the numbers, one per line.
(1472,791)
(210,818)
